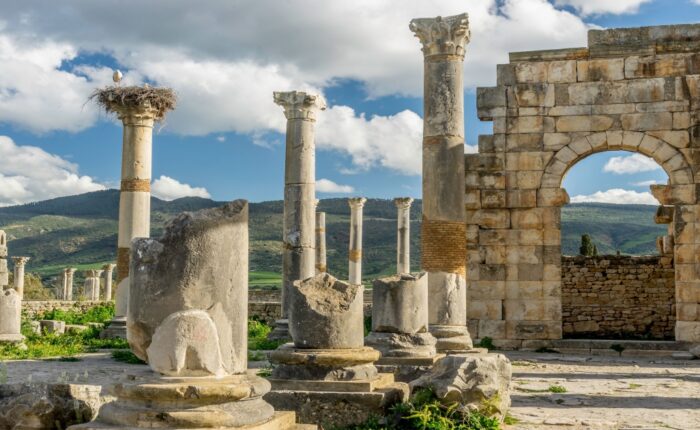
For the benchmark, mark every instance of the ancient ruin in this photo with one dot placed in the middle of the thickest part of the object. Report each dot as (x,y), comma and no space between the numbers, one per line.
(298,255)
(443,229)
(108,268)
(321,242)
(630,89)
(18,275)
(10,302)
(355,241)
(91,288)
(403,234)
(4,275)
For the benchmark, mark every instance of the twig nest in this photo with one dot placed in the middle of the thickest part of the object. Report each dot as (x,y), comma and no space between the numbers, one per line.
(117,99)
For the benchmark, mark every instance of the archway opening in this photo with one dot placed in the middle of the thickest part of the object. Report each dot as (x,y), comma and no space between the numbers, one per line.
(617,278)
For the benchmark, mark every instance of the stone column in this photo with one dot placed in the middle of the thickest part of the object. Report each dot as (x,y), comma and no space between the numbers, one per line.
(19,274)
(298,239)
(4,276)
(321,242)
(10,317)
(89,286)
(138,112)
(60,289)
(443,234)
(403,234)
(108,268)
(69,283)
(355,247)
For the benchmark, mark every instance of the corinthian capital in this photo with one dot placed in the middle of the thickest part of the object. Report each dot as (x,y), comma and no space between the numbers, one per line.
(300,105)
(442,36)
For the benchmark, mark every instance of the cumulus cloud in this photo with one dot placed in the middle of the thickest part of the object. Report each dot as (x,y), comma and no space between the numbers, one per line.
(28,173)
(617,196)
(593,7)
(629,164)
(328,186)
(167,188)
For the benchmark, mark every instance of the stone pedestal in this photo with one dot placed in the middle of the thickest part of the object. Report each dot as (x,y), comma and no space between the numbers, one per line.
(298,238)
(10,317)
(400,326)
(327,376)
(19,262)
(195,340)
(443,236)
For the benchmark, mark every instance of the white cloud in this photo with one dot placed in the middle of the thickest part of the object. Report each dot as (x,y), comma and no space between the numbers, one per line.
(593,7)
(646,183)
(617,196)
(328,186)
(629,164)
(28,173)
(221,138)
(167,188)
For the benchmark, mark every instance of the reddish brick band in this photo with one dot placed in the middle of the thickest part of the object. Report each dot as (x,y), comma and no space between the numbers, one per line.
(443,246)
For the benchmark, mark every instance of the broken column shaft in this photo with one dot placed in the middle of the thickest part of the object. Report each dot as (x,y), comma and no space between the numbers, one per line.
(403,234)
(20,262)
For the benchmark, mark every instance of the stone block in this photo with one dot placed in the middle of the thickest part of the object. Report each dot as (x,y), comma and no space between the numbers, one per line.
(495,254)
(53,327)
(584,123)
(677,139)
(505,74)
(486,290)
(688,331)
(494,218)
(530,237)
(493,199)
(661,65)
(681,120)
(555,141)
(524,290)
(528,179)
(400,304)
(647,121)
(561,71)
(527,254)
(521,199)
(608,69)
(533,329)
(485,309)
(491,102)
(495,329)
(548,197)
(533,95)
(524,142)
(531,72)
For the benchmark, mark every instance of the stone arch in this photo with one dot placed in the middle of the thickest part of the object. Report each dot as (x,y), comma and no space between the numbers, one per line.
(670,158)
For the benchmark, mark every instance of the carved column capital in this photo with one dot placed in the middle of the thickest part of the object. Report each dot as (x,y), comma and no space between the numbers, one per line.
(357,202)
(442,35)
(20,261)
(403,202)
(300,105)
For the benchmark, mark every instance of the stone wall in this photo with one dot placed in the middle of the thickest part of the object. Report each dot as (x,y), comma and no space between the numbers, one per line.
(32,308)
(618,296)
(636,90)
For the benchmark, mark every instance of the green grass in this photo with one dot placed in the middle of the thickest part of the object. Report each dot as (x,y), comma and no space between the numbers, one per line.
(263,279)
(510,420)
(126,356)
(58,346)
(98,314)
(257,337)
(425,412)
(556,389)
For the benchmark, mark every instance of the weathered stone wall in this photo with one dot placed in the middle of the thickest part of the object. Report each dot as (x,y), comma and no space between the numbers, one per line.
(32,308)
(631,89)
(618,297)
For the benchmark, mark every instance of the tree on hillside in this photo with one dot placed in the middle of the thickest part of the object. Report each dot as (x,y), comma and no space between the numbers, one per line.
(587,248)
(34,289)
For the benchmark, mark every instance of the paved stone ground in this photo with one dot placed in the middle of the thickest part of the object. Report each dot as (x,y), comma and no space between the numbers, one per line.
(604,392)
(610,393)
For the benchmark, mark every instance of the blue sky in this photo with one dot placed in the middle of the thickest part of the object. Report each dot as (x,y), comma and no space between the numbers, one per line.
(225,139)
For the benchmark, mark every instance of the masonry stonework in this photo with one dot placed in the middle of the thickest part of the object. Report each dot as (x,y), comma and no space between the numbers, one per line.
(617,297)
(636,90)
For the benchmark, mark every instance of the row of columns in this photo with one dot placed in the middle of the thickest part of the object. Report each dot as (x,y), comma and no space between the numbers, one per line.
(91,287)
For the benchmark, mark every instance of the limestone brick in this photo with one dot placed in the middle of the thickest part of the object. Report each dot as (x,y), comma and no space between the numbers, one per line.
(612,69)
(647,121)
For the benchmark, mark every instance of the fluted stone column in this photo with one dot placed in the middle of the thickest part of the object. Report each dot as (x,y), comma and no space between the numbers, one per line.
(298,238)
(355,247)
(443,235)
(69,283)
(108,268)
(91,289)
(4,277)
(403,234)
(321,266)
(19,274)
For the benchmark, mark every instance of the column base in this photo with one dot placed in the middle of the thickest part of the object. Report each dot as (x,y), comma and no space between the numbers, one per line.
(418,345)
(452,339)
(15,339)
(280,331)
(116,329)
(407,369)
(232,402)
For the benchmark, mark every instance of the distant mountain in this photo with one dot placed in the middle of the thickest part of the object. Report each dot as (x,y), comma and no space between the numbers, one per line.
(82,230)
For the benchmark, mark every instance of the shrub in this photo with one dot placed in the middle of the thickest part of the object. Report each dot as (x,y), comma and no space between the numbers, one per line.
(99,314)
(257,336)
(486,342)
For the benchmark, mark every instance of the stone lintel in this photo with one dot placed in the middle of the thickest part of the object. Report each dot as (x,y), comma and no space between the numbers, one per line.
(549,55)
(643,40)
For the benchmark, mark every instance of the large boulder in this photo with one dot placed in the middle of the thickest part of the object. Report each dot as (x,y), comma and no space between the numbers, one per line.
(474,381)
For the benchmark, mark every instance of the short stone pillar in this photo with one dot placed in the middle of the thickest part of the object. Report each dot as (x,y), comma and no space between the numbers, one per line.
(18,274)
(108,268)
(138,108)
(328,363)
(403,235)
(443,235)
(188,319)
(298,239)
(69,283)
(4,275)
(355,242)
(10,317)
(321,265)
(91,288)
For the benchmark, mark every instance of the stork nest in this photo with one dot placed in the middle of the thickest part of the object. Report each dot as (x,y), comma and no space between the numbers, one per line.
(115,99)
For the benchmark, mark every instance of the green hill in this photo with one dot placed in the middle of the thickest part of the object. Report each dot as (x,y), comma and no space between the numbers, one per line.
(81,231)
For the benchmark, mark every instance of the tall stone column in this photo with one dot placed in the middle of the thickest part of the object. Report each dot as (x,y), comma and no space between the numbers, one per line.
(91,287)
(108,268)
(138,108)
(298,238)
(4,278)
(19,274)
(443,234)
(321,266)
(355,247)
(403,234)
(69,283)
(60,289)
